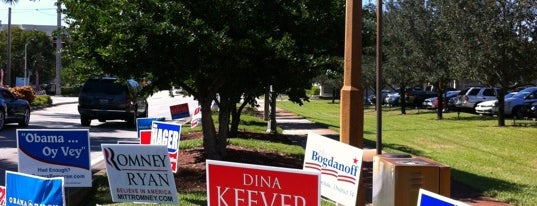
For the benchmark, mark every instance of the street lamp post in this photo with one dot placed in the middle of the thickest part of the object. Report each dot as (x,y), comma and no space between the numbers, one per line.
(25,61)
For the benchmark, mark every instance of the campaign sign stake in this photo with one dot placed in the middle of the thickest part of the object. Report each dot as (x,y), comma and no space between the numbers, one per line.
(340,165)
(139,173)
(164,133)
(56,153)
(25,189)
(230,183)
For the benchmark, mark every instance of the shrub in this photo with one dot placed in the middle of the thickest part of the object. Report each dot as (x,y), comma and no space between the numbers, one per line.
(24,92)
(41,100)
(315,90)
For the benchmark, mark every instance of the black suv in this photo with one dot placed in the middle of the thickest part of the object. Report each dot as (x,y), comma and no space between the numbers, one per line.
(108,98)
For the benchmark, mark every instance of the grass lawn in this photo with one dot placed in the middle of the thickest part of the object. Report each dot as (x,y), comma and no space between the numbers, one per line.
(501,162)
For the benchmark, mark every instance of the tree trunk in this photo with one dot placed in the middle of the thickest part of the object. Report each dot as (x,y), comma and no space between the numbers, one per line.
(236,119)
(501,107)
(209,131)
(223,128)
(440,97)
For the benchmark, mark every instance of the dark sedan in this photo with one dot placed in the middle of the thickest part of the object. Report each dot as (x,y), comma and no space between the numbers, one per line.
(13,109)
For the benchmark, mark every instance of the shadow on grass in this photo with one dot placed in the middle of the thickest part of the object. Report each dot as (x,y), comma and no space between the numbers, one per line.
(481,185)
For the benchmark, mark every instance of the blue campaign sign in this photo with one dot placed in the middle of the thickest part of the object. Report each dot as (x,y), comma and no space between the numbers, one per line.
(145,123)
(428,198)
(164,133)
(56,153)
(25,189)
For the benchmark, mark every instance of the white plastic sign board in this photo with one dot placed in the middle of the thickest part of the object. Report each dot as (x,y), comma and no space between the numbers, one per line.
(428,198)
(56,153)
(25,189)
(340,166)
(139,173)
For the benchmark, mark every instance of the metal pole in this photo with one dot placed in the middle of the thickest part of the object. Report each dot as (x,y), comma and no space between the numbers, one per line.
(25,61)
(379,76)
(8,66)
(58,80)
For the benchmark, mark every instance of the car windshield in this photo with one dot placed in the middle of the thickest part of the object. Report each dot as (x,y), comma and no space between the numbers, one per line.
(104,86)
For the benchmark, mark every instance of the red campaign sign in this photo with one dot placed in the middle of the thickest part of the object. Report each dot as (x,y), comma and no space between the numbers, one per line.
(2,195)
(145,136)
(179,111)
(231,183)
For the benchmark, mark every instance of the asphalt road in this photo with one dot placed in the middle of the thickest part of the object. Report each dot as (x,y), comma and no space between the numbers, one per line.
(63,114)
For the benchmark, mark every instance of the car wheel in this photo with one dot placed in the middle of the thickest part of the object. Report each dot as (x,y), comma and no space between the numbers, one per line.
(2,120)
(25,121)
(517,113)
(85,121)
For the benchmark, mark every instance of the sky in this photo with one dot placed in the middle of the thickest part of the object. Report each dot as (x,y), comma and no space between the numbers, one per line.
(38,12)
(41,12)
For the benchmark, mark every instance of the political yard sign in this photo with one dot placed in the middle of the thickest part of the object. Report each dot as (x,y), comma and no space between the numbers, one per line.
(56,153)
(168,134)
(2,195)
(180,111)
(139,173)
(340,165)
(230,183)
(145,123)
(428,198)
(25,189)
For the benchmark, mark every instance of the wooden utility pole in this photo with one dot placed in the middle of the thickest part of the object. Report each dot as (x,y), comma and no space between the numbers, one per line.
(352,95)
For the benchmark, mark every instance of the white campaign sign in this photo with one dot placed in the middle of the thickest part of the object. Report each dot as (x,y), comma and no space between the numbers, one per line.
(340,166)
(140,173)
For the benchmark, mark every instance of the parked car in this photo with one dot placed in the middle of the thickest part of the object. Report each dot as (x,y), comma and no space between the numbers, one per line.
(469,97)
(490,107)
(393,99)
(109,98)
(13,109)
(449,101)
(515,106)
